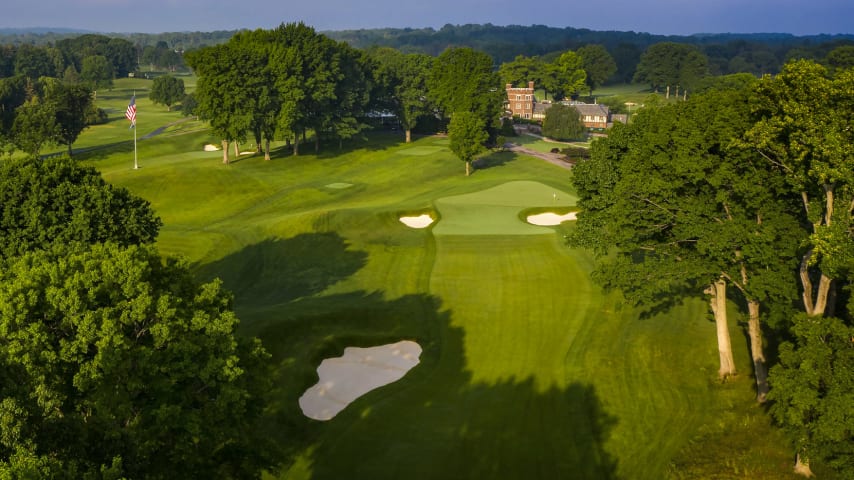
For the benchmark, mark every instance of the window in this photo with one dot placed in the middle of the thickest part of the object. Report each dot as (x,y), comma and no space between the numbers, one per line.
(527,97)
(518,97)
(518,106)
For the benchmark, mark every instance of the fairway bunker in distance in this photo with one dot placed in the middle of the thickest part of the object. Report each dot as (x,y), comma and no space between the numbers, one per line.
(339,185)
(549,219)
(211,148)
(421,221)
(344,379)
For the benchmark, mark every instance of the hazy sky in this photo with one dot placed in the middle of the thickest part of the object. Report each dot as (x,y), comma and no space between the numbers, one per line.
(681,17)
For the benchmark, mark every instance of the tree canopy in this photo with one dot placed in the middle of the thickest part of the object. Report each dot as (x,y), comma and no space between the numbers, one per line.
(467,134)
(167,90)
(563,122)
(118,365)
(57,201)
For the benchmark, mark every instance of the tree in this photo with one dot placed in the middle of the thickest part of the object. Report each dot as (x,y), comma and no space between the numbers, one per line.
(57,201)
(598,63)
(33,63)
(569,74)
(467,134)
(671,204)
(563,122)
(462,80)
(97,72)
(117,364)
(813,389)
(72,105)
(403,82)
(34,125)
(841,58)
(167,90)
(522,70)
(803,130)
(669,63)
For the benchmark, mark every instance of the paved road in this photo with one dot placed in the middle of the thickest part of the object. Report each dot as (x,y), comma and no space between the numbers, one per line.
(553,158)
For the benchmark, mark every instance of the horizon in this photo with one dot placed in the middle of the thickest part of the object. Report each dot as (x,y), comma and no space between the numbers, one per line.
(655,17)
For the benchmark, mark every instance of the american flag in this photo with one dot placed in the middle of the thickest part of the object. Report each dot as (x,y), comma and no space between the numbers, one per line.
(130,113)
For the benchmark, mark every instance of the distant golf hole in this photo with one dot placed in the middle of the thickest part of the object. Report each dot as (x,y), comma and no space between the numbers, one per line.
(549,219)
(360,370)
(421,221)
(339,185)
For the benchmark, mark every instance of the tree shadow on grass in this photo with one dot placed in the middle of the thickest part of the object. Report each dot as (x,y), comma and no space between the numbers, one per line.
(494,159)
(278,271)
(433,423)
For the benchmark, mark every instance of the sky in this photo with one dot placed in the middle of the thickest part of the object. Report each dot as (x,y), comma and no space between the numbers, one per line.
(667,17)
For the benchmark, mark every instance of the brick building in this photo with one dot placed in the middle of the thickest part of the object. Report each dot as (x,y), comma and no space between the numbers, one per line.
(520,101)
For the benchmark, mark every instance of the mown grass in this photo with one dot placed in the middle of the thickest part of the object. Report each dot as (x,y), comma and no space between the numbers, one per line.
(529,370)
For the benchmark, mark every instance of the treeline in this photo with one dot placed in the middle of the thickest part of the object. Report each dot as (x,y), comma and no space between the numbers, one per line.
(727,53)
(744,196)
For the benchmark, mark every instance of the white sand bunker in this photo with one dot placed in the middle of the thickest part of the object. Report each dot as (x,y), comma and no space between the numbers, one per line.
(549,219)
(360,370)
(421,221)
(211,148)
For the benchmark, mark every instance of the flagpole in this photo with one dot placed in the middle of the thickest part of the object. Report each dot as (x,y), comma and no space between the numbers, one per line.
(135,163)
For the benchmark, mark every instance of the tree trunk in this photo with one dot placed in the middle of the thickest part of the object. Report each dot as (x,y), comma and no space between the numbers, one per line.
(168,108)
(802,467)
(468,167)
(225,152)
(717,291)
(70,152)
(757,351)
(267,150)
(408,135)
(316,143)
(236,150)
(296,144)
(821,295)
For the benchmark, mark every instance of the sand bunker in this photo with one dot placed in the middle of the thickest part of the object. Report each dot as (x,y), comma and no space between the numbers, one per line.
(549,219)
(211,148)
(421,221)
(360,370)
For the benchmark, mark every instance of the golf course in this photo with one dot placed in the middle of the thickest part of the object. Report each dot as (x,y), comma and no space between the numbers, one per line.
(528,369)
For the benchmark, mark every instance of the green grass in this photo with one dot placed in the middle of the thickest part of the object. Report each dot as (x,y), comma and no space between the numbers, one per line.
(529,370)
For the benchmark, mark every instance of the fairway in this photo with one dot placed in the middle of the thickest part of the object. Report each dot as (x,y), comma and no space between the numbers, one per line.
(528,370)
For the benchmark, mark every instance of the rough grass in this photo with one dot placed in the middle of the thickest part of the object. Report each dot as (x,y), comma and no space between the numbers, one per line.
(528,371)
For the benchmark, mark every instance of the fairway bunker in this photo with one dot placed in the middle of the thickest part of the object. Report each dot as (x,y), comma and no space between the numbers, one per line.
(421,221)
(549,219)
(360,370)
(211,148)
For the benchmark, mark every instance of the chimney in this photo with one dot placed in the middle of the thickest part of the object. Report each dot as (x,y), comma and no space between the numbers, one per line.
(531,85)
(508,86)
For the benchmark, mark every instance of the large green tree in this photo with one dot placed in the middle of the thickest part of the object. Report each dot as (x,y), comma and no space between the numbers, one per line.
(467,133)
(462,80)
(673,207)
(72,105)
(803,130)
(569,75)
(116,364)
(671,64)
(813,390)
(167,90)
(57,201)
(402,79)
(563,122)
(598,63)
(97,72)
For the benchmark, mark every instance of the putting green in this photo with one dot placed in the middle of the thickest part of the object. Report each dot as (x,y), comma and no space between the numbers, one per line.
(494,211)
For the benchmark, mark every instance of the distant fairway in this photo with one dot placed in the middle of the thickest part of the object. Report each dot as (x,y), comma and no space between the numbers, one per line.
(529,370)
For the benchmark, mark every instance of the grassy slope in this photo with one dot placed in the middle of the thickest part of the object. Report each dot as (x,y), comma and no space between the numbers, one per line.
(528,370)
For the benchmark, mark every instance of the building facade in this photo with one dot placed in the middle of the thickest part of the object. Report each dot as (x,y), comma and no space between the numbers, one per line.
(520,101)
